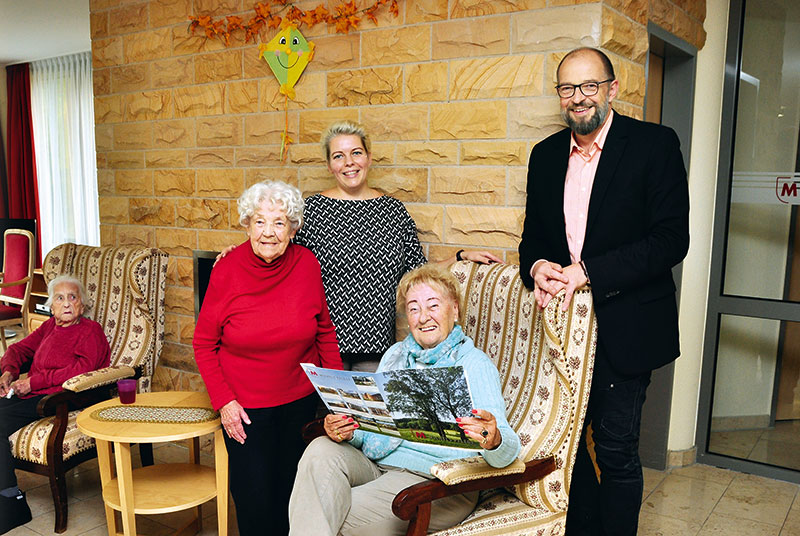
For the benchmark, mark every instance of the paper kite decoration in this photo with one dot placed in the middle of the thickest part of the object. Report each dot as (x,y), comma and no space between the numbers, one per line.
(287,54)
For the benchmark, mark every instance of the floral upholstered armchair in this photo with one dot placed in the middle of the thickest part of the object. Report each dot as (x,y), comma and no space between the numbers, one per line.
(545,358)
(125,286)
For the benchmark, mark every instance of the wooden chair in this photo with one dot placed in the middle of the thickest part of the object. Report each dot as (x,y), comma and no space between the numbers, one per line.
(126,287)
(545,359)
(16,280)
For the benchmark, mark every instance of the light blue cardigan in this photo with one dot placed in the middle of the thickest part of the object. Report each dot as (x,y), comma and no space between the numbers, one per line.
(484,382)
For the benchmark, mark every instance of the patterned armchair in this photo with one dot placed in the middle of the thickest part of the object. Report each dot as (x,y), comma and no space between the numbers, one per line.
(126,288)
(545,359)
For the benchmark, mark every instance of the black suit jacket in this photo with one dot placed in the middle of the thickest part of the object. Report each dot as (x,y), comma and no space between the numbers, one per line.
(637,230)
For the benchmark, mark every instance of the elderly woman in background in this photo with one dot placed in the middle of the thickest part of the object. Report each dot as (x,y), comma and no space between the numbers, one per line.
(66,345)
(263,314)
(347,479)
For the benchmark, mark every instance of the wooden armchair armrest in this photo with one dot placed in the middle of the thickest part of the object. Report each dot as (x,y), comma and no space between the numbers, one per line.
(14,283)
(414,503)
(97,378)
(62,402)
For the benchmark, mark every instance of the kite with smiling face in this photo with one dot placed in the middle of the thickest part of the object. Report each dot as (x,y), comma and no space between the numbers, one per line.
(287,54)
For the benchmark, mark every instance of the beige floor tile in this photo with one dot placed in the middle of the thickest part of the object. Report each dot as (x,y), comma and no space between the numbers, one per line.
(688,499)
(40,500)
(658,525)
(792,523)
(784,431)
(84,485)
(757,499)
(721,525)
(652,479)
(776,452)
(26,480)
(737,443)
(23,531)
(83,516)
(706,472)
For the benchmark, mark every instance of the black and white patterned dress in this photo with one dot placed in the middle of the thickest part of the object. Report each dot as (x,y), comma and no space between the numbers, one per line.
(364,248)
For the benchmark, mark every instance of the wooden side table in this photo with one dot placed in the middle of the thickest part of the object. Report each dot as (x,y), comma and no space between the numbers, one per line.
(161,488)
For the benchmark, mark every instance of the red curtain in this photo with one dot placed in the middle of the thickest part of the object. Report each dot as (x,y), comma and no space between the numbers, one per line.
(23,199)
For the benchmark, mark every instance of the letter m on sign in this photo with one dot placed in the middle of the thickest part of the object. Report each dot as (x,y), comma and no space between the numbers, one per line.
(786,190)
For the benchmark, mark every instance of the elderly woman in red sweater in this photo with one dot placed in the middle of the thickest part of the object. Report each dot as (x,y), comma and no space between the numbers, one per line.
(263,314)
(66,345)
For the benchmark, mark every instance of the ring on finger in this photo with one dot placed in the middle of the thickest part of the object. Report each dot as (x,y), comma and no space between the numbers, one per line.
(485,432)
(338,435)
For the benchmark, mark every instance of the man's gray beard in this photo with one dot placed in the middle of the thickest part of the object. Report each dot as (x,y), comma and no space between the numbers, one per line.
(584,128)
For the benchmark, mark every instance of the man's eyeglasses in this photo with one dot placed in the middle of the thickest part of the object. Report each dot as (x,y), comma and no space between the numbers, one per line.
(589,89)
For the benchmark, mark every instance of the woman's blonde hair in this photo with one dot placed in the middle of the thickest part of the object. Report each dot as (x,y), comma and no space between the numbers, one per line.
(429,274)
(343,128)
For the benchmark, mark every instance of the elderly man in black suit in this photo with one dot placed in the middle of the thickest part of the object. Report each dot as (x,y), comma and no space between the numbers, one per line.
(608,206)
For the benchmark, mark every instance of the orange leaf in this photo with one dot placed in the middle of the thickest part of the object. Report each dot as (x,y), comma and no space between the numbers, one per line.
(393,9)
(274,21)
(262,10)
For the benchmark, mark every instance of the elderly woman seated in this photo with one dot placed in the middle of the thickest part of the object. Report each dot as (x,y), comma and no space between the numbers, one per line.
(347,479)
(66,345)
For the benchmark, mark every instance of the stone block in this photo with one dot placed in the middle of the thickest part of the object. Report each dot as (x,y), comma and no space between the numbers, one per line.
(534,119)
(187,323)
(632,82)
(697,9)
(662,13)
(125,159)
(219,240)
(108,109)
(624,37)
(102,160)
(467,185)
(335,52)
(562,28)
(98,25)
(172,158)
(497,77)
(516,196)
(133,182)
(202,214)
(178,356)
(409,185)
(207,99)
(637,112)
(464,120)
(635,9)
(427,153)
(314,180)
(104,137)
(107,52)
(128,18)
(381,85)
(174,133)
(101,81)
(258,156)
(254,175)
(166,12)
(218,66)
(217,8)
(171,326)
(147,105)
(211,158)
(174,182)
(401,122)
(481,8)
(149,45)
(176,241)
(186,42)
(426,81)
(105,182)
(266,128)
(425,11)
(396,45)
(179,272)
(429,220)
(113,209)
(684,26)
(471,37)
(148,211)
(98,5)
(310,92)
(228,183)
(135,77)
(135,235)
(307,153)
(173,72)
(107,233)
(253,66)
(133,135)
(314,123)
(243,97)
(494,153)
(494,227)
(382,153)
(219,131)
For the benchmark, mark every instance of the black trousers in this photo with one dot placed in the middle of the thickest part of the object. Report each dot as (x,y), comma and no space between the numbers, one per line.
(14,414)
(262,470)
(611,506)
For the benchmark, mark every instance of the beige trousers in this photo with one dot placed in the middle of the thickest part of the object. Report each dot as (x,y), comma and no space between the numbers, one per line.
(338,490)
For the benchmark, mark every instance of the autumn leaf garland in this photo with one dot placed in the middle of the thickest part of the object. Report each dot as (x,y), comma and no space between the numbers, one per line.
(346,16)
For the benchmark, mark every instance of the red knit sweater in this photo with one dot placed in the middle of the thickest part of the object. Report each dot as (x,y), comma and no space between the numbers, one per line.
(258,322)
(58,354)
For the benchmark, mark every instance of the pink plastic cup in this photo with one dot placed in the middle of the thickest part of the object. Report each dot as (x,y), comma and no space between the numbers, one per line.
(127,391)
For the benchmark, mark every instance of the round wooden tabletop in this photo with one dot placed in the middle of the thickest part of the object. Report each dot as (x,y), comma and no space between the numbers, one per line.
(148,432)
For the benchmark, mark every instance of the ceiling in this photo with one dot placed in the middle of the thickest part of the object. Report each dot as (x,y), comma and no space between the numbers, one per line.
(38,29)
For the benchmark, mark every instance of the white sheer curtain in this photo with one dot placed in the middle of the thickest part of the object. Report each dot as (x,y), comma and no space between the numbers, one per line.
(66,165)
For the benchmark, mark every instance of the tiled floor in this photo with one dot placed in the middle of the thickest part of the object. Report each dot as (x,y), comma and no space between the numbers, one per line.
(690,501)
(778,445)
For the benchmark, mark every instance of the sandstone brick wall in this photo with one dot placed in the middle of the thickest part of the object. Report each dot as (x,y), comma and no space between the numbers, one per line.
(454,94)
